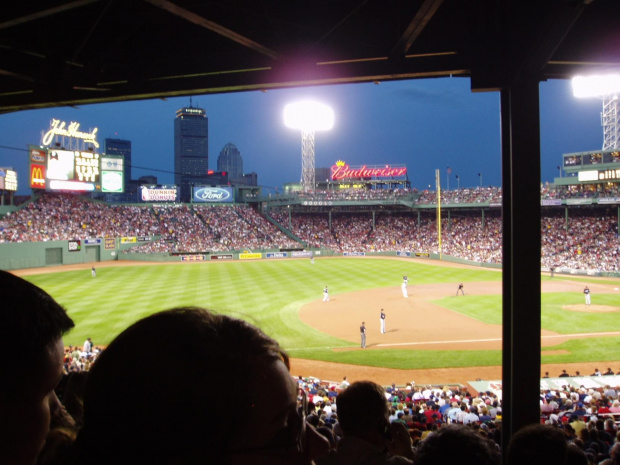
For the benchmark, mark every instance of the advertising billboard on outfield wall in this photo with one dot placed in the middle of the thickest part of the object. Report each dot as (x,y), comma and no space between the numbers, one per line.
(159,193)
(204,194)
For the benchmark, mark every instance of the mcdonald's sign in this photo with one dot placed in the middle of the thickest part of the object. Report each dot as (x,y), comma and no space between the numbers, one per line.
(37,176)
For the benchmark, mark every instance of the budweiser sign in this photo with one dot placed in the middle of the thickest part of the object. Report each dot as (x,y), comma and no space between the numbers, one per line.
(343,171)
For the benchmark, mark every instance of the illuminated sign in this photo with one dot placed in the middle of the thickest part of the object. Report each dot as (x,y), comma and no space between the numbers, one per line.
(112,163)
(72,170)
(587,176)
(37,176)
(37,156)
(60,128)
(343,171)
(351,186)
(159,194)
(8,179)
(60,165)
(58,185)
(112,181)
(608,175)
(87,166)
(212,194)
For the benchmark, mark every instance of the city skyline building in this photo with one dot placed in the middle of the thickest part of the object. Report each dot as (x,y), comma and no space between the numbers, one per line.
(231,161)
(122,147)
(191,149)
(115,146)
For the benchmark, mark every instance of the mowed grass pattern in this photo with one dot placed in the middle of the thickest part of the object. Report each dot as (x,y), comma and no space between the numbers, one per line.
(269,293)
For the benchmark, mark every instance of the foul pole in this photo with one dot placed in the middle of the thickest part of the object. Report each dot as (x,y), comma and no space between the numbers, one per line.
(438,185)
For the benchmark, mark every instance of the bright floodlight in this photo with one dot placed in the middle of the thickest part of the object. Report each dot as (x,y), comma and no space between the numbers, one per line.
(606,87)
(596,86)
(308,116)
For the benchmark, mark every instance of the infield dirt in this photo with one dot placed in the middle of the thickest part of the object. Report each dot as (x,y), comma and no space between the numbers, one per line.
(414,323)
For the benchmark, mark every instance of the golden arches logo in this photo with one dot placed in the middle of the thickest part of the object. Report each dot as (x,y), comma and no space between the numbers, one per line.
(37,179)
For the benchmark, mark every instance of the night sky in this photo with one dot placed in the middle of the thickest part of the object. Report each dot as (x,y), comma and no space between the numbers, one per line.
(425,124)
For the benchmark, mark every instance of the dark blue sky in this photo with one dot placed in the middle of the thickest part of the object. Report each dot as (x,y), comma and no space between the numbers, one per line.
(425,124)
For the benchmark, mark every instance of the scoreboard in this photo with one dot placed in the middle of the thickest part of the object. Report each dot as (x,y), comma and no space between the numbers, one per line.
(75,170)
(8,179)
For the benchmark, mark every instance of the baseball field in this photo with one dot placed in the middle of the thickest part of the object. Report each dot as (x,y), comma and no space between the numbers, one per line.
(434,336)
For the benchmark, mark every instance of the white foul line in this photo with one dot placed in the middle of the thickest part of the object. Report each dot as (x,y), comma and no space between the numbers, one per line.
(470,341)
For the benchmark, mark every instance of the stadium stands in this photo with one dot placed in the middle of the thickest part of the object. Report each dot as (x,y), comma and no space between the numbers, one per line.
(583,238)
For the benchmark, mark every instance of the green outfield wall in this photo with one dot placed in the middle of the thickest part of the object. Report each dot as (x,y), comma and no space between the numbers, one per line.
(15,256)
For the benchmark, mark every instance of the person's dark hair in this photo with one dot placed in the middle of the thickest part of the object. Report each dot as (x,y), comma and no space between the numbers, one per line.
(362,407)
(575,455)
(155,393)
(31,321)
(537,444)
(329,434)
(456,444)
(73,396)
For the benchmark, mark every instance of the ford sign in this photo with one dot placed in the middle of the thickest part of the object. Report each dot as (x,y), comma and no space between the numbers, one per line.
(212,194)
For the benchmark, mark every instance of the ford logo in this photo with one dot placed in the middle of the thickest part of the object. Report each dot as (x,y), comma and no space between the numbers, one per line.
(213,194)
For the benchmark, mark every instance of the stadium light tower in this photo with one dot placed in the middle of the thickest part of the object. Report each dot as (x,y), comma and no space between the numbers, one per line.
(308,116)
(606,87)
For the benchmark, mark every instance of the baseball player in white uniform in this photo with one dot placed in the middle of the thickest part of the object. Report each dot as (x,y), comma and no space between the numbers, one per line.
(404,286)
(586,292)
(325,295)
(382,322)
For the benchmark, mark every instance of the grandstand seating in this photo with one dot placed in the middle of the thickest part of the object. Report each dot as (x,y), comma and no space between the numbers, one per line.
(586,239)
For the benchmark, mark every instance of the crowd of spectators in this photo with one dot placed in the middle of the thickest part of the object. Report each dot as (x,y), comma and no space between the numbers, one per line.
(475,195)
(586,240)
(590,242)
(65,217)
(182,228)
(358,194)
(466,195)
(151,396)
(579,192)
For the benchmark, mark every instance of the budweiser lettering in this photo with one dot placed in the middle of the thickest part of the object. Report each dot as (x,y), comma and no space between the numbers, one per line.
(346,172)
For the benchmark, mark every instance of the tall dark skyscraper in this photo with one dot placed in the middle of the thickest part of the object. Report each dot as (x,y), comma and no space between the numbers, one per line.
(191,149)
(230,161)
(120,147)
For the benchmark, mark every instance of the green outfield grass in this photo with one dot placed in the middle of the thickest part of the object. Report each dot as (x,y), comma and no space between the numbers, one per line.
(269,294)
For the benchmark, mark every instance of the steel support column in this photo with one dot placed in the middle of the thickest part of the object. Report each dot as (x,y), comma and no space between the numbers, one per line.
(520,126)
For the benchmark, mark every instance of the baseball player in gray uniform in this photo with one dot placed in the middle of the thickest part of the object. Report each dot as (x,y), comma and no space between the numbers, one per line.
(363,334)
(325,295)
